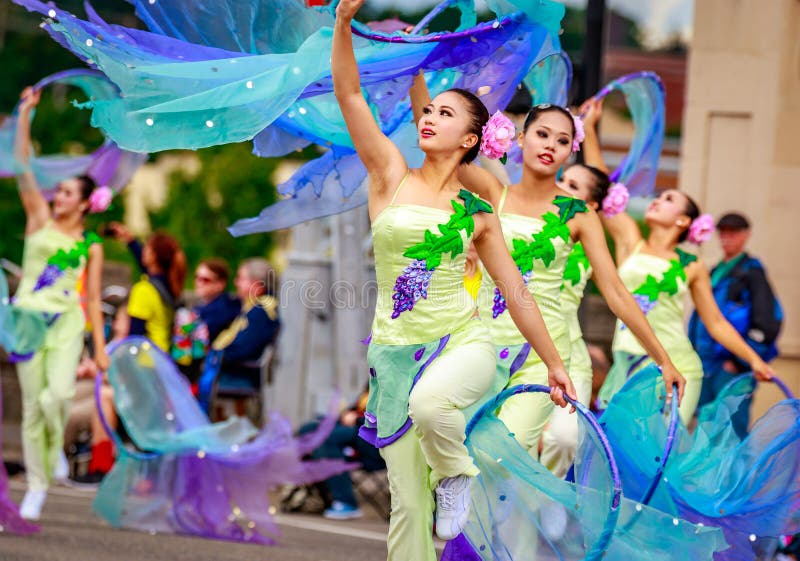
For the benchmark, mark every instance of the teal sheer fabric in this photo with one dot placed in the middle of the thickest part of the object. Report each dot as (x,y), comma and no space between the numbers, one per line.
(108,165)
(644,97)
(522,511)
(22,331)
(748,487)
(230,86)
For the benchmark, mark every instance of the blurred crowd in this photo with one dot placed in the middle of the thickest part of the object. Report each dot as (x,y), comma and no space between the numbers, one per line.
(214,337)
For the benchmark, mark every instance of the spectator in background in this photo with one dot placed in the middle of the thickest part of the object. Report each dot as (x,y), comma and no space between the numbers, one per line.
(234,360)
(154,299)
(195,328)
(217,308)
(342,440)
(746,299)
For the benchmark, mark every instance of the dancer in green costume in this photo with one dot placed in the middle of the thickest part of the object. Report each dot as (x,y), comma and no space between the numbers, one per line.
(57,251)
(429,356)
(660,275)
(540,225)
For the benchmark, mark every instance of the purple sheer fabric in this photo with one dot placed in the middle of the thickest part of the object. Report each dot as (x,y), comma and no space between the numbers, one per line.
(10,520)
(198,478)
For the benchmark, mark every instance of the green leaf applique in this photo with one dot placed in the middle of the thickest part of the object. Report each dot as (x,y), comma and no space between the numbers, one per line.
(568,207)
(577,264)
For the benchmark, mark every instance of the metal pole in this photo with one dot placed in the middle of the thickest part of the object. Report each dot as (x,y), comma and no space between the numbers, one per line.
(593,49)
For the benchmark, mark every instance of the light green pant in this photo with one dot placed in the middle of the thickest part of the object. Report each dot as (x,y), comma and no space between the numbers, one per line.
(525,415)
(560,438)
(47,383)
(623,368)
(434,447)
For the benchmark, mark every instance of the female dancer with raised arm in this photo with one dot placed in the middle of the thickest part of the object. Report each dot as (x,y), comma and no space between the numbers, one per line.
(590,184)
(57,250)
(540,225)
(429,356)
(659,274)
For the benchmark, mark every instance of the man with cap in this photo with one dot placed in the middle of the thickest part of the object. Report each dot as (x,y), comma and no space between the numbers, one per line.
(747,301)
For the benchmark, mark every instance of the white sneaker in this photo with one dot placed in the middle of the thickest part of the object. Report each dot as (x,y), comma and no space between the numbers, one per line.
(32,503)
(452,506)
(61,470)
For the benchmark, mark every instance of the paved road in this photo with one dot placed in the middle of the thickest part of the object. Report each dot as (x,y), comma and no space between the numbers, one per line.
(71,533)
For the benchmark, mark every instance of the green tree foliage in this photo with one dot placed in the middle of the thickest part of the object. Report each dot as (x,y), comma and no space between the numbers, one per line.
(232,184)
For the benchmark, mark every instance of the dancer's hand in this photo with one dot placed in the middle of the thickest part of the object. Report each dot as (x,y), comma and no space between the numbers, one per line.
(591,111)
(347,9)
(762,371)
(672,377)
(29,99)
(101,360)
(560,383)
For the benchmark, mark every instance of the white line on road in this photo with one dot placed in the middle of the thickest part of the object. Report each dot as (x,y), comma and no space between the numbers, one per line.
(336,528)
(329,528)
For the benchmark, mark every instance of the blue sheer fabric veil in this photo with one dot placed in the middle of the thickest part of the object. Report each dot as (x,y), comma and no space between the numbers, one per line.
(748,487)
(107,165)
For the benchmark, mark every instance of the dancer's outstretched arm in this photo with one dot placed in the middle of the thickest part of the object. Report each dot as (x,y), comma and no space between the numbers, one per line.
(626,235)
(494,254)
(383,160)
(94,285)
(623,229)
(474,178)
(590,233)
(719,327)
(419,95)
(592,110)
(37,211)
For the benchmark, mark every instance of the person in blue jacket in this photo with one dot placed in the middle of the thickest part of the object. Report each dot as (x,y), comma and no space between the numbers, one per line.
(240,346)
(745,297)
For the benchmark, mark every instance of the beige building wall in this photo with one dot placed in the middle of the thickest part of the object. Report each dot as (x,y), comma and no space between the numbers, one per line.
(740,138)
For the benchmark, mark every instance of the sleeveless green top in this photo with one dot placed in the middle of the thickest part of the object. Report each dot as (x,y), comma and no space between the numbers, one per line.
(422,304)
(420,255)
(540,248)
(659,287)
(52,263)
(577,273)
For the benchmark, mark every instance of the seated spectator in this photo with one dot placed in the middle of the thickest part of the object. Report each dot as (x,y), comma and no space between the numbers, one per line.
(343,439)
(216,308)
(236,351)
(195,328)
(154,299)
(83,413)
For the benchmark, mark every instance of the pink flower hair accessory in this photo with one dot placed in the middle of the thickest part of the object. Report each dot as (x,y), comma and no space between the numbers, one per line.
(580,132)
(700,229)
(497,137)
(616,200)
(100,199)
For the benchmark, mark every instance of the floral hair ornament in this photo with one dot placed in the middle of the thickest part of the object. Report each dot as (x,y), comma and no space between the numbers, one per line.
(616,200)
(700,229)
(497,136)
(100,199)
(580,132)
